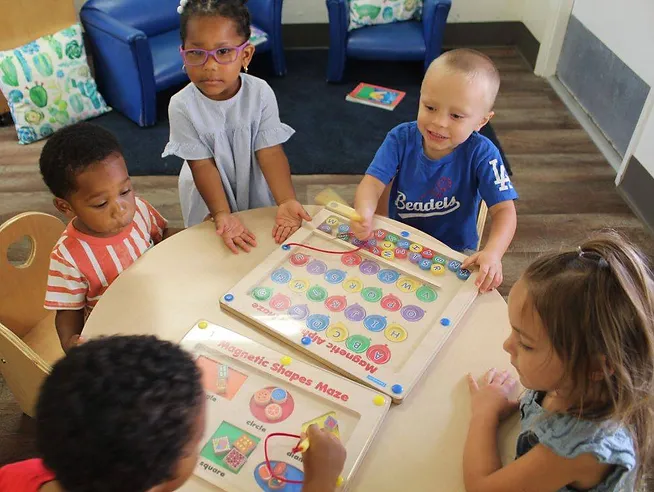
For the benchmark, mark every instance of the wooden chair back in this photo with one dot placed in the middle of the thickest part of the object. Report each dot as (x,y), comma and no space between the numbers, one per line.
(481,221)
(22,289)
(22,369)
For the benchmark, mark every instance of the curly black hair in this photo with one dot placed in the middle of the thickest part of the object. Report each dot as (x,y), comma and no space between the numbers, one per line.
(230,9)
(116,414)
(70,151)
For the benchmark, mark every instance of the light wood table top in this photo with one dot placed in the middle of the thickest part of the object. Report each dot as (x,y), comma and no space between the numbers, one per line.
(420,444)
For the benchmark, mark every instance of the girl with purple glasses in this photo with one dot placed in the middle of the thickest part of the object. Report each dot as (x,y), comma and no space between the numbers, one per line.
(225,125)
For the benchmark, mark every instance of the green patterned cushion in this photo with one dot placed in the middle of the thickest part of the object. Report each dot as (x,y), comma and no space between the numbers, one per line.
(369,12)
(48,84)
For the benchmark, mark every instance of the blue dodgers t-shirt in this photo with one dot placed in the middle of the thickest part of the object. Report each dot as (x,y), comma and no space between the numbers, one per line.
(441,197)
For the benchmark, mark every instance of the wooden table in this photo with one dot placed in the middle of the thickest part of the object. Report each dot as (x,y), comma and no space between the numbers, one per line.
(420,445)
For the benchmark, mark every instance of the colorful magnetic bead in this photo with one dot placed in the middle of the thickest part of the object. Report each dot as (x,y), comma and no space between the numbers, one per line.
(401,253)
(424,264)
(397,389)
(415,247)
(415,257)
(286,360)
(306,341)
(388,254)
(229,297)
(427,253)
(445,321)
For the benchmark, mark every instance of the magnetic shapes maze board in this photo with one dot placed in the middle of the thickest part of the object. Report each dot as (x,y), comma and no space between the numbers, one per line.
(254,393)
(378,315)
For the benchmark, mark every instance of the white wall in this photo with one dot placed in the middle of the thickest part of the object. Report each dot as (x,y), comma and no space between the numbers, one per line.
(627,31)
(645,144)
(535,15)
(315,11)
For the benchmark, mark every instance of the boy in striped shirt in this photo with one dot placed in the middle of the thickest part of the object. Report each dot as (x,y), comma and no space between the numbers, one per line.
(110,227)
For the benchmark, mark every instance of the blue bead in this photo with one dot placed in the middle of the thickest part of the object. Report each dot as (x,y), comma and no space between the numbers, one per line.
(229,297)
(424,264)
(306,341)
(404,233)
(397,389)
(285,247)
(445,321)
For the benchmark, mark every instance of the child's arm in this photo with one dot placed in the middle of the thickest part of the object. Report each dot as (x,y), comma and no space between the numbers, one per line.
(539,470)
(503,225)
(276,170)
(323,461)
(366,199)
(382,204)
(207,179)
(378,179)
(69,326)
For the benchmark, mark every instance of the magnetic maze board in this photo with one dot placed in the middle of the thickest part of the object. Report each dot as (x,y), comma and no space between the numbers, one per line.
(378,315)
(254,392)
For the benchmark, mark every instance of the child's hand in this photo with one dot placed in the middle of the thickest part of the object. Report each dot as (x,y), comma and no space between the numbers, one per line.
(73,341)
(323,461)
(491,394)
(234,233)
(289,219)
(362,229)
(490,269)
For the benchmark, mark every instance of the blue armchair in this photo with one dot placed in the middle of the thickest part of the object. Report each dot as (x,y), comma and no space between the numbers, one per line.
(408,40)
(135,49)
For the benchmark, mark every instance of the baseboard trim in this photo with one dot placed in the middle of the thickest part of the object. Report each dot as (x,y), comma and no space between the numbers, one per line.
(595,134)
(456,34)
(636,189)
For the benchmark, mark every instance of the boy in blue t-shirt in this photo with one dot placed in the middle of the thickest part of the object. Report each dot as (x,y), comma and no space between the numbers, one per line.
(432,173)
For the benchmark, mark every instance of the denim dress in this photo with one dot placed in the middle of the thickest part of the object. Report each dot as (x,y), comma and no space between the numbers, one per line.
(230,132)
(569,437)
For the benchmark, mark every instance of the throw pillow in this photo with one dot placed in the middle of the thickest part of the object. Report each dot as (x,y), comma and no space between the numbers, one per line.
(48,84)
(370,12)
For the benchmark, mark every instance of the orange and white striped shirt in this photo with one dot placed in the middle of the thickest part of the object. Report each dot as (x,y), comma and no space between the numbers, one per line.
(82,267)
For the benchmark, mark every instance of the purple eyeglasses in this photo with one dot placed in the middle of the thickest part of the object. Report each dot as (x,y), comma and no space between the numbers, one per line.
(223,55)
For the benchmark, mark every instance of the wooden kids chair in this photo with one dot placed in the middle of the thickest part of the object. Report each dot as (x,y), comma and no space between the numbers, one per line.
(481,221)
(29,344)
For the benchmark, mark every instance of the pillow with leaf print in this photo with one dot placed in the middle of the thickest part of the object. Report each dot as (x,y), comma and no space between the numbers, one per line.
(48,84)
(370,12)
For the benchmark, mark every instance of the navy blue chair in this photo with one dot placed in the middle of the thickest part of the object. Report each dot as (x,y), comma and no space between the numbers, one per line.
(135,44)
(408,40)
